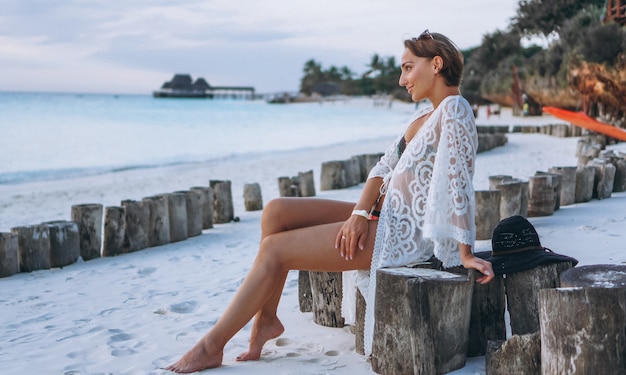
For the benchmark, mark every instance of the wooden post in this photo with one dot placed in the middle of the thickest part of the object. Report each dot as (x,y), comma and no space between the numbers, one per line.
(556,185)
(422,321)
(158,220)
(541,200)
(177,209)
(496,180)
(64,243)
(487,318)
(568,184)
(194,202)
(585,177)
(326,290)
(510,198)
(359,324)
(595,276)
(307,184)
(583,331)
(333,175)
(252,198)
(305,298)
(223,209)
(33,243)
(206,194)
(604,177)
(136,231)
(619,184)
(520,354)
(487,212)
(9,254)
(89,220)
(114,230)
(522,294)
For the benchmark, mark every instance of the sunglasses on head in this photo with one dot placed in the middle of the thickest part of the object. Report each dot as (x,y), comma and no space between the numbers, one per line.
(425,36)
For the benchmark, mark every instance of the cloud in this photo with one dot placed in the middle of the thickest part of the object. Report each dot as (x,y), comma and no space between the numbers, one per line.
(124,45)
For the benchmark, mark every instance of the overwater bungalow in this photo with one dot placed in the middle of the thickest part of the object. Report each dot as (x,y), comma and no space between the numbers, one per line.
(182,86)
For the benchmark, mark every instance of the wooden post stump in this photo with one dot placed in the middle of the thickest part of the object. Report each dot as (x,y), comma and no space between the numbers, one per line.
(371,160)
(89,220)
(359,324)
(585,177)
(520,354)
(114,230)
(9,254)
(541,200)
(583,331)
(64,243)
(177,210)
(422,321)
(223,209)
(136,230)
(252,198)
(307,184)
(158,220)
(206,199)
(326,291)
(340,174)
(487,213)
(286,187)
(595,276)
(305,298)
(568,184)
(604,178)
(556,185)
(194,202)
(522,294)
(510,198)
(33,243)
(496,180)
(487,317)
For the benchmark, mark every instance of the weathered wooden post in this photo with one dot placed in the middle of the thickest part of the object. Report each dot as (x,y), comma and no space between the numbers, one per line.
(496,180)
(286,187)
(520,354)
(89,220)
(33,243)
(177,209)
(333,175)
(136,231)
(422,321)
(114,230)
(252,197)
(194,207)
(206,193)
(326,290)
(604,177)
(568,184)
(522,294)
(223,209)
(305,298)
(583,331)
(64,243)
(9,254)
(585,177)
(487,212)
(158,220)
(510,198)
(541,200)
(556,185)
(487,317)
(307,184)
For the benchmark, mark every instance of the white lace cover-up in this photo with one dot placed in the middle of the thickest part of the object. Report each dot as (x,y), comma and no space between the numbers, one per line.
(429,201)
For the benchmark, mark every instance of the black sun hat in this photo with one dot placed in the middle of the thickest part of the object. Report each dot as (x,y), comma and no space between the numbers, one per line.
(516,247)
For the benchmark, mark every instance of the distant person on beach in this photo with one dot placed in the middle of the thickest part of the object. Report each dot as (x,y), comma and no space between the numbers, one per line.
(418,202)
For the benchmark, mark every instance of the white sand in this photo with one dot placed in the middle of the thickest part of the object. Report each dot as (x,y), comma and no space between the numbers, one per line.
(136,313)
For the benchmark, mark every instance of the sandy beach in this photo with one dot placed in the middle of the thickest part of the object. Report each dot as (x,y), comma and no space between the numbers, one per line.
(139,312)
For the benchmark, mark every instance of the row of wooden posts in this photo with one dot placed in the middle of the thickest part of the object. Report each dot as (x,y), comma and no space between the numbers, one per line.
(446,317)
(95,230)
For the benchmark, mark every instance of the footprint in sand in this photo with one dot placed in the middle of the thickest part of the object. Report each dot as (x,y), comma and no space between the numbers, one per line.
(145,271)
(184,307)
(283,342)
(332,353)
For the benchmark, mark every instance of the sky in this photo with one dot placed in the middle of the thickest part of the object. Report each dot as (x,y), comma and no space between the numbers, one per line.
(121,46)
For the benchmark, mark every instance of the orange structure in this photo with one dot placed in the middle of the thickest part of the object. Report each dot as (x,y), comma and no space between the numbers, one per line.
(582,120)
(616,11)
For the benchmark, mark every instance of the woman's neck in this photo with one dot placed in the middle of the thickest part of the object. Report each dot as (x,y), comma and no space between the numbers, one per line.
(439,95)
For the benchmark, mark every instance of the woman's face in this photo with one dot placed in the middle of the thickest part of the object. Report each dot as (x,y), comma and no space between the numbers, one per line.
(418,75)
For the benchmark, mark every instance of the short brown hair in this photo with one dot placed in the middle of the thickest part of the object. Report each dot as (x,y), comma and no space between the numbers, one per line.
(434,44)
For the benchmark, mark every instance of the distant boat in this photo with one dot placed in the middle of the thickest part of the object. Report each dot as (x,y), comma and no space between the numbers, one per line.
(182,86)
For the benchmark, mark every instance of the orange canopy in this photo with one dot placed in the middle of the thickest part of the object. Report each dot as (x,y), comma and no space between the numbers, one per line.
(584,121)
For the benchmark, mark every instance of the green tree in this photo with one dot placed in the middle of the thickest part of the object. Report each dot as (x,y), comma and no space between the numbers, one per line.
(543,17)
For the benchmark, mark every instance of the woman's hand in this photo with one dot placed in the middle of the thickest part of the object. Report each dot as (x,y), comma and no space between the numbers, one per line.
(351,236)
(481,265)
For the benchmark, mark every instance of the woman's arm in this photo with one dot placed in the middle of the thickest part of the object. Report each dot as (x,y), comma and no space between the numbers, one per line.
(355,230)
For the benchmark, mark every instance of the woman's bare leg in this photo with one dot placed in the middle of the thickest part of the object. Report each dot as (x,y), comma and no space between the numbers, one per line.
(309,248)
(278,216)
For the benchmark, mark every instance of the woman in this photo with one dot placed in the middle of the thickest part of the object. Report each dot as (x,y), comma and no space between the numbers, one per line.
(422,188)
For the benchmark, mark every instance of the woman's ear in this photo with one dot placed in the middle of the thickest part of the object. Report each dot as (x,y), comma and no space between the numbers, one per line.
(437,63)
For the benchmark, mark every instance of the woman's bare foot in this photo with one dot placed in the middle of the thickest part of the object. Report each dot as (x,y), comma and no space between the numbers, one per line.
(262,330)
(200,357)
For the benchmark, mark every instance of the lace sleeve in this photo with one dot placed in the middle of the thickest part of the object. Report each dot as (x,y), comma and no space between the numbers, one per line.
(449,216)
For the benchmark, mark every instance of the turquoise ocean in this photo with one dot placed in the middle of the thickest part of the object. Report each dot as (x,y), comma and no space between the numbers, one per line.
(47,136)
